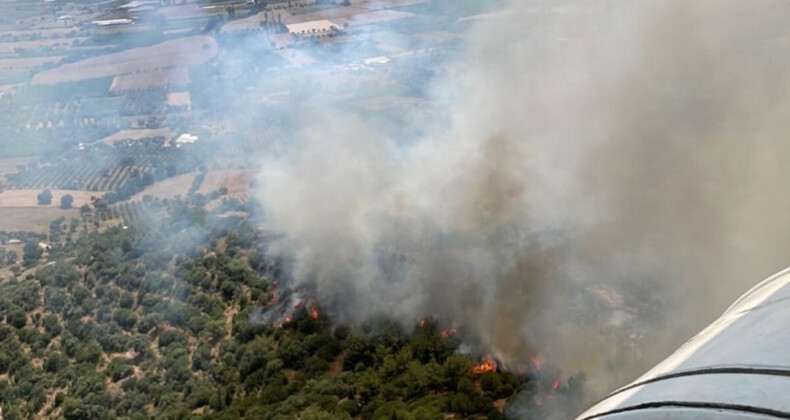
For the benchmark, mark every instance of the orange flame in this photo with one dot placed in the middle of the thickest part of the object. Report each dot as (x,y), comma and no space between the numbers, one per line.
(556,384)
(537,362)
(288,319)
(448,332)
(314,313)
(488,365)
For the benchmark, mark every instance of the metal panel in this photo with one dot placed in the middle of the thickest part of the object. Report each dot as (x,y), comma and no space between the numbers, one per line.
(739,364)
(686,414)
(746,393)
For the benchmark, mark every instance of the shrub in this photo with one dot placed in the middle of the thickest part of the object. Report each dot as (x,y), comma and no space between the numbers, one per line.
(44,198)
(66,201)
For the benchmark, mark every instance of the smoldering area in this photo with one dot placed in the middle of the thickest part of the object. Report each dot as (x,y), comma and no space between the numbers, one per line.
(634,148)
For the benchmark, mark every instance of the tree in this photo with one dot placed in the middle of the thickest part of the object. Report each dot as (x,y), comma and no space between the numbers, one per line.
(119,368)
(11,256)
(31,253)
(55,362)
(45,197)
(125,318)
(66,201)
(16,317)
(52,325)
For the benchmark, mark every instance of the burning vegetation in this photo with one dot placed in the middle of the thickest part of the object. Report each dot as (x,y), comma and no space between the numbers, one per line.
(487,365)
(534,378)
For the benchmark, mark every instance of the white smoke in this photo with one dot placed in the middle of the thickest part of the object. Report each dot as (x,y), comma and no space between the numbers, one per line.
(581,143)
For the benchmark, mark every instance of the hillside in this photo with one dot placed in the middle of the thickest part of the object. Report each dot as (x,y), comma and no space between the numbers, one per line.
(155,322)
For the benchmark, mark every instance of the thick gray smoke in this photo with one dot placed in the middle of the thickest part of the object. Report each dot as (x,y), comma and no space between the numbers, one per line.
(633,144)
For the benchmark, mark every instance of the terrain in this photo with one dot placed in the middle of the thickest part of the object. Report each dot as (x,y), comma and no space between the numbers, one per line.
(159,322)
(135,275)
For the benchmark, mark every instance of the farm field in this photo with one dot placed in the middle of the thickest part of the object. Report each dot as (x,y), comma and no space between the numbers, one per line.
(385,4)
(9,165)
(134,212)
(179,101)
(13,47)
(16,64)
(38,33)
(178,76)
(107,168)
(212,205)
(9,148)
(235,180)
(137,134)
(101,107)
(179,52)
(32,219)
(251,23)
(28,198)
(168,188)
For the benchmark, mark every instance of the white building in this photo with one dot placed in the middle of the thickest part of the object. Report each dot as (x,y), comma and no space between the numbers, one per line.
(186,138)
(313,28)
(113,22)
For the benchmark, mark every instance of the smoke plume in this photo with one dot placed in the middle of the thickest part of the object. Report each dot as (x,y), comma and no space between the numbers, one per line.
(635,146)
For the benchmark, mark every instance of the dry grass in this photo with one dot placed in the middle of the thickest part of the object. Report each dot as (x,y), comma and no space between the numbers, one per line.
(28,198)
(239,197)
(237,181)
(177,53)
(168,188)
(178,99)
(9,165)
(32,219)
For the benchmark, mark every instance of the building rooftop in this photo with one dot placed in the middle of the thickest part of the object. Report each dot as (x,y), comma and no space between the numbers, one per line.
(314,26)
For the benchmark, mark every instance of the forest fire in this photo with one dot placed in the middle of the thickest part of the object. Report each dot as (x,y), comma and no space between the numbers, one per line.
(487,365)
(536,362)
(556,384)
(314,313)
(447,333)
